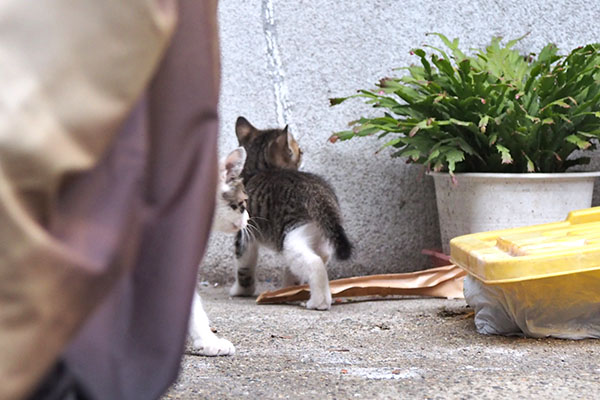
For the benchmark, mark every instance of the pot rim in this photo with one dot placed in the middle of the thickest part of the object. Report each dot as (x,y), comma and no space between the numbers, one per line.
(526,175)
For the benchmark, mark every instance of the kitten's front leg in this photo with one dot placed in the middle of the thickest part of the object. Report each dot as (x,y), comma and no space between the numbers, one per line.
(204,341)
(246,253)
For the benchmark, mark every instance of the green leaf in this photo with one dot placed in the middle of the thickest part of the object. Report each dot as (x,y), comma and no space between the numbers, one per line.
(419,52)
(517,40)
(560,103)
(343,135)
(564,118)
(530,164)
(483,123)
(594,113)
(460,123)
(459,55)
(424,124)
(366,129)
(392,142)
(442,52)
(465,146)
(412,154)
(408,94)
(547,55)
(337,100)
(505,154)
(593,134)
(535,120)
(453,156)
(440,97)
(438,166)
(446,67)
(433,155)
(579,142)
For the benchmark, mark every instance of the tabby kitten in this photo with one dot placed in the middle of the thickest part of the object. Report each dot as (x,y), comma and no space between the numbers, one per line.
(230,217)
(295,213)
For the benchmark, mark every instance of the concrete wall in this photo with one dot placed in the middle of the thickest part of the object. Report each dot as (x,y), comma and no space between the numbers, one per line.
(282,61)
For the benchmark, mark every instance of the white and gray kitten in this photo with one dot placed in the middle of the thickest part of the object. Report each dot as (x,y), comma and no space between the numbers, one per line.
(293,212)
(230,217)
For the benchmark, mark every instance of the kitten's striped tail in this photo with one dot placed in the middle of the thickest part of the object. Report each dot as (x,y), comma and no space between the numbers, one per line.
(343,247)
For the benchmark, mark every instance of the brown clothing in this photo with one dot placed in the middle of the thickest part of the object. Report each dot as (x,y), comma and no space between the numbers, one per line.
(103,217)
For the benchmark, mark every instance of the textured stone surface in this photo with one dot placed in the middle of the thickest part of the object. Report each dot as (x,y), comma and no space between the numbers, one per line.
(321,49)
(387,349)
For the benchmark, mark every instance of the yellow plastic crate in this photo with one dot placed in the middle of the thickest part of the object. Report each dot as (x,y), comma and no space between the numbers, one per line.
(539,281)
(533,252)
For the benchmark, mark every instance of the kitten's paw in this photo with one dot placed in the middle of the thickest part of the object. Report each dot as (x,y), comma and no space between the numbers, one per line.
(237,290)
(215,346)
(319,302)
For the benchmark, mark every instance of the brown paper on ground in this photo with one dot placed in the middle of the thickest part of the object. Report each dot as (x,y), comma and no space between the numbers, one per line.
(446,281)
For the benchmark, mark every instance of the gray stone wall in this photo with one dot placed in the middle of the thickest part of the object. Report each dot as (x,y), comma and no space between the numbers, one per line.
(283,60)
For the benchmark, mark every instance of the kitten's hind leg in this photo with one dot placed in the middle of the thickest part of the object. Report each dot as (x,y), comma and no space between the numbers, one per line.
(204,341)
(246,253)
(307,264)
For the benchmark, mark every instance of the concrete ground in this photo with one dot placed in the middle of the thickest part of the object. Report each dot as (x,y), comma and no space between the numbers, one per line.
(403,348)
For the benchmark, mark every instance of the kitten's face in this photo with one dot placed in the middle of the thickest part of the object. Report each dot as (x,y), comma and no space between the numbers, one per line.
(230,212)
(272,148)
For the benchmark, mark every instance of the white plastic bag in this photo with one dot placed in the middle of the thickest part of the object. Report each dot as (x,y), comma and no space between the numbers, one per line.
(565,306)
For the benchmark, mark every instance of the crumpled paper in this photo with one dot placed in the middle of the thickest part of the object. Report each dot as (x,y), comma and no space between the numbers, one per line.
(446,281)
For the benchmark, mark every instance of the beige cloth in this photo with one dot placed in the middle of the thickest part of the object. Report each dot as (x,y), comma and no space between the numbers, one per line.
(71,71)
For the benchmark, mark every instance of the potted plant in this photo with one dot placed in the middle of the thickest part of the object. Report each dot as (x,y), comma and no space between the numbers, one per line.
(491,116)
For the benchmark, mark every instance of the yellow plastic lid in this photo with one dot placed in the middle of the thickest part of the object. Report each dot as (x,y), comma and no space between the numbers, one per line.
(532,252)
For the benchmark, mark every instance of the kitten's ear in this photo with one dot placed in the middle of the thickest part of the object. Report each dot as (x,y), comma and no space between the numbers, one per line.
(244,130)
(290,138)
(234,163)
(284,137)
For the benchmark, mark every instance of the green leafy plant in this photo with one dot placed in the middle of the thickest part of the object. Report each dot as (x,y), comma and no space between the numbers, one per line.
(493,111)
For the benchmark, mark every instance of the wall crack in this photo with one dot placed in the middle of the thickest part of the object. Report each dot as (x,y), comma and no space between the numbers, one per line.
(275,66)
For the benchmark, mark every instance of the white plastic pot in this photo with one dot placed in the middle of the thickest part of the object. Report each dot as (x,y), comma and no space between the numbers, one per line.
(478,202)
